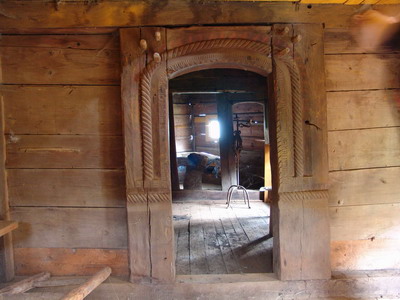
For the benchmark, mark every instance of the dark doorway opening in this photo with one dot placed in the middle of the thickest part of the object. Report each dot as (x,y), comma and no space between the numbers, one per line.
(207,108)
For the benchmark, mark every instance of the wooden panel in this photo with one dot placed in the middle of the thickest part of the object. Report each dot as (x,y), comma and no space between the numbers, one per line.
(64,151)
(182,109)
(368,148)
(360,187)
(183,131)
(70,262)
(126,13)
(178,37)
(339,40)
(70,227)
(362,109)
(377,254)
(182,120)
(62,110)
(62,41)
(55,66)
(7,226)
(205,108)
(249,107)
(133,63)
(378,221)
(46,187)
(6,244)
(362,71)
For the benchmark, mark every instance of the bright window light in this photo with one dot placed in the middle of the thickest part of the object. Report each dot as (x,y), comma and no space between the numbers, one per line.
(213,129)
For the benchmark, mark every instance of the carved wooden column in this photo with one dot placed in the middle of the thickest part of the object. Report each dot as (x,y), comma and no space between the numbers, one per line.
(300,214)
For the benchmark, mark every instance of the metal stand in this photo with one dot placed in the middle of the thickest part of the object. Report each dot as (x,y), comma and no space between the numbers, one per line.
(237,147)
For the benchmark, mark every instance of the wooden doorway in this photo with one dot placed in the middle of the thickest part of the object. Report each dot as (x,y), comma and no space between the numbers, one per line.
(151,57)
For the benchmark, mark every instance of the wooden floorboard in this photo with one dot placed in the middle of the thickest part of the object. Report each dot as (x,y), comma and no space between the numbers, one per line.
(211,239)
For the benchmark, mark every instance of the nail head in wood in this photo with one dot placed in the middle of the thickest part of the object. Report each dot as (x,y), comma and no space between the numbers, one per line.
(158,36)
(157,57)
(143,45)
(296,39)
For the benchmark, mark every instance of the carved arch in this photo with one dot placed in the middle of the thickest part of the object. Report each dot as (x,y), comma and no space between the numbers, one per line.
(224,53)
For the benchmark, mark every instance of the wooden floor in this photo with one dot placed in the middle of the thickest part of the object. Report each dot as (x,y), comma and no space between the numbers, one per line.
(211,239)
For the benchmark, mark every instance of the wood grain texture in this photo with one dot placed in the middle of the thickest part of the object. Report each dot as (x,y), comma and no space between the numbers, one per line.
(362,72)
(70,262)
(63,187)
(7,226)
(362,109)
(59,66)
(62,41)
(62,109)
(6,244)
(24,285)
(368,148)
(364,187)
(365,222)
(377,254)
(65,151)
(70,227)
(126,13)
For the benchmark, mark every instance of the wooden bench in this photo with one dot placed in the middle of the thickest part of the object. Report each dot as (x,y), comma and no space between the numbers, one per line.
(7,226)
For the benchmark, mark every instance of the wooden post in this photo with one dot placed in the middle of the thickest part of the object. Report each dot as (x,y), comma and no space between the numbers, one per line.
(24,285)
(6,246)
(85,289)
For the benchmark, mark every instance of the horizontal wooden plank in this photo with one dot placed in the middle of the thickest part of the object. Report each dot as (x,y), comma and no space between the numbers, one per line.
(64,151)
(377,254)
(70,262)
(362,71)
(103,228)
(182,109)
(367,148)
(364,222)
(183,131)
(362,109)
(40,14)
(339,40)
(53,187)
(62,41)
(62,109)
(205,108)
(22,65)
(369,186)
(248,107)
(182,120)
(184,145)
(7,226)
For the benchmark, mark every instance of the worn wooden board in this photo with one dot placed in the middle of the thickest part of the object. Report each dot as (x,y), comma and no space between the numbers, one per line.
(64,151)
(126,13)
(377,254)
(70,227)
(63,187)
(362,109)
(62,41)
(376,221)
(182,109)
(363,187)
(362,71)
(339,40)
(70,262)
(62,109)
(368,148)
(7,226)
(59,66)
(6,244)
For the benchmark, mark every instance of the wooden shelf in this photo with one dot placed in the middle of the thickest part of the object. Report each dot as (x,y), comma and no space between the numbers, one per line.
(7,226)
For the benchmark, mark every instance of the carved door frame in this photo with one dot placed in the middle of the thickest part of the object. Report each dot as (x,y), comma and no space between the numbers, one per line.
(299,152)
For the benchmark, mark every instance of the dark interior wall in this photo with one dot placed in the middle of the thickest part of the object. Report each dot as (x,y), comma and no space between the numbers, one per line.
(64,153)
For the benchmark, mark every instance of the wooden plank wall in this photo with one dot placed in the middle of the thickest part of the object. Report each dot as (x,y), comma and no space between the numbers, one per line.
(183,117)
(364,154)
(64,152)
